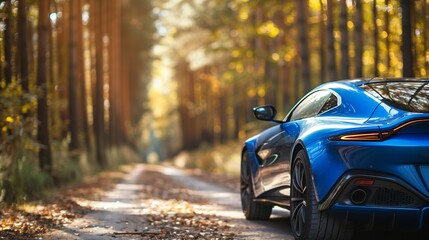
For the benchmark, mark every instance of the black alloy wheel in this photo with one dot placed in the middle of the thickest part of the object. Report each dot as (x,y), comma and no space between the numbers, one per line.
(299,198)
(252,210)
(307,221)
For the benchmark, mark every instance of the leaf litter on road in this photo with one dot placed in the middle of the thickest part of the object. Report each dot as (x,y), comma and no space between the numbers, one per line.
(168,211)
(171,211)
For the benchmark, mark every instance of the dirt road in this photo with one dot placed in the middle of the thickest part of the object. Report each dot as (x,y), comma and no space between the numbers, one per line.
(155,202)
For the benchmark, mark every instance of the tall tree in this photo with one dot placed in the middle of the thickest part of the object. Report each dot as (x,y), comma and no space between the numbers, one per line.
(332,66)
(80,70)
(407,41)
(426,34)
(114,70)
(375,37)
(8,41)
(344,44)
(322,49)
(99,124)
(387,30)
(358,39)
(302,6)
(45,160)
(72,83)
(22,44)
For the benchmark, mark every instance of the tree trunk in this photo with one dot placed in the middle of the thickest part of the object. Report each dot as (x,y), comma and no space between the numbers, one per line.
(344,44)
(358,39)
(63,70)
(407,41)
(426,36)
(186,105)
(376,48)
(322,51)
(81,78)
(45,160)
(260,56)
(8,42)
(223,114)
(22,44)
(73,83)
(332,66)
(386,28)
(118,65)
(114,63)
(303,41)
(99,124)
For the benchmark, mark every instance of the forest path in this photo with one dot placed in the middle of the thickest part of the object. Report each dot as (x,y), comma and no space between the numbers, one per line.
(155,202)
(226,203)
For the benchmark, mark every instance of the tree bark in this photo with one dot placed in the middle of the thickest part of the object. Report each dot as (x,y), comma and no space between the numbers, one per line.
(358,39)
(322,51)
(426,36)
(72,72)
(99,124)
(8,42)
(303,41)
(114,63)
(45,160)
(344,44)
(81,78)
(407,41)
(376,48)
(22,44)
(332,66)
(386,28)
(186,105)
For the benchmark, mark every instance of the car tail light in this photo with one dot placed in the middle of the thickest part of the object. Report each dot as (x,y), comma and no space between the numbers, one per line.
(375,136)
(359,137)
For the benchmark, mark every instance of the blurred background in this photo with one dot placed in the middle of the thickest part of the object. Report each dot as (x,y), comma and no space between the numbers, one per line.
(86,85)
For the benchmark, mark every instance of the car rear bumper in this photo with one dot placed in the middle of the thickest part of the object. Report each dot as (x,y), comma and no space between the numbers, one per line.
(379,190)
(385,201)
(383,218)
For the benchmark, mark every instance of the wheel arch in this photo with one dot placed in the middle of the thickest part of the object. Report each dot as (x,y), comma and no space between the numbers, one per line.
(299,145)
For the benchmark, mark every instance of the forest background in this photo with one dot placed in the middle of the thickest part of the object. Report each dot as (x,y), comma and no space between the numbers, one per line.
(84,81)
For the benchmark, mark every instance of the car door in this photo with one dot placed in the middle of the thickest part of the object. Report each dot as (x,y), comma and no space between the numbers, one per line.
(275,153)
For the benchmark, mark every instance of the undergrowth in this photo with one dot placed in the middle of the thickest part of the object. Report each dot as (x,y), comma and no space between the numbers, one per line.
(21,179)
(221,159)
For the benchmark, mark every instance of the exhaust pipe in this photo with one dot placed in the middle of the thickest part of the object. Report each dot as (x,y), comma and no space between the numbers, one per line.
(358,196)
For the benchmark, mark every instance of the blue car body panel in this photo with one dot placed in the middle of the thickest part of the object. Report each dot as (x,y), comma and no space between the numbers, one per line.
(402,155)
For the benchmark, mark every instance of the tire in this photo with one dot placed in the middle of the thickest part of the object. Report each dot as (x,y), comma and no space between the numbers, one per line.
(251,209)
(306,220)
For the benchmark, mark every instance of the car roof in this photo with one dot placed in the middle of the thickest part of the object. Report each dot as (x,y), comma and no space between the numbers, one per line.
(360,81)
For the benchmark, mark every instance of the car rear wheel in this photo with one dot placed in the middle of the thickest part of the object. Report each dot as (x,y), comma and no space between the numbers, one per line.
(306,220)
(252,210)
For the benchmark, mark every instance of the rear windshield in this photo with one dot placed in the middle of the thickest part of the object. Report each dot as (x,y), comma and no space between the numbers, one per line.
(411,96)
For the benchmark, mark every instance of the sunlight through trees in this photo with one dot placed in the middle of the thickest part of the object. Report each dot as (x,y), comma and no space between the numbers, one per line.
(80,79)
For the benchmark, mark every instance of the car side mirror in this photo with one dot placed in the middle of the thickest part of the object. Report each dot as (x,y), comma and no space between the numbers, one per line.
(265,113)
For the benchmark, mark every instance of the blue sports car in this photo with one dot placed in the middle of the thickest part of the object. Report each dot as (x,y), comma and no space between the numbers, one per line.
(350,155)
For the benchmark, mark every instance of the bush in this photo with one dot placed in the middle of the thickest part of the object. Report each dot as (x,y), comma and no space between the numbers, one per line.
(21,178)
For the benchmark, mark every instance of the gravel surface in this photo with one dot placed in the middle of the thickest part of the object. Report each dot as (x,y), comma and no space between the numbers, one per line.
(155,202)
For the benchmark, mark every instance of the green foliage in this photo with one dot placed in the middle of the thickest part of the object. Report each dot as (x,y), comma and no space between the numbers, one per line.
(66,164)
(20,176)
(14,103)
(221,159)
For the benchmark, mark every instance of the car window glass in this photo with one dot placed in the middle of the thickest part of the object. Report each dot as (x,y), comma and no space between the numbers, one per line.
(311,105)
(330,103)
(412,96)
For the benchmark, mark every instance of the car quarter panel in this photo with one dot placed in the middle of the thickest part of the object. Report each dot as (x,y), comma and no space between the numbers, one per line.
(404,156)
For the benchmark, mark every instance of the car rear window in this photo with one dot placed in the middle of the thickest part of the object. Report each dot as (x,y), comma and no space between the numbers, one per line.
(412,96)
